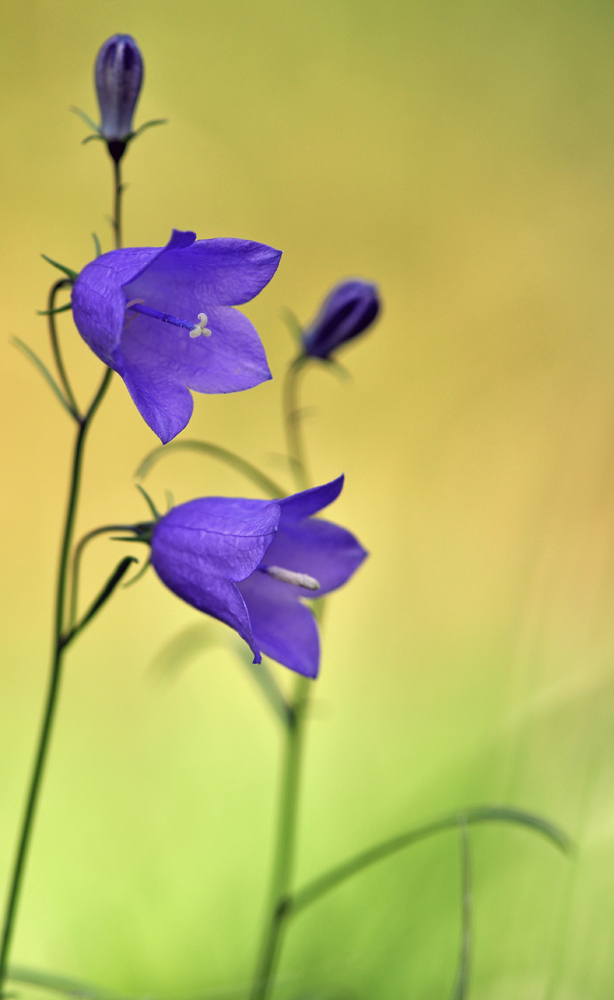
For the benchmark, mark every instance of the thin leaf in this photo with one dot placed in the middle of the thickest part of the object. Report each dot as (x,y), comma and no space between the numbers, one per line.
(104,595)
(461,986)
(73,275)
(138,575)
(155,512)
(97,246)
(291,320)
(478,814)
(54,312)
(264,482)
(266,682)
(90,138)
(86,118)
(44,371)
(143,128)
(59,984)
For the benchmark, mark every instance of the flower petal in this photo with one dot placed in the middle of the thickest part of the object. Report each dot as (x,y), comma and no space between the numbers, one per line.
(222,272)
(321,549)
(311,501)
(99,303)
(159,362)
(200,564)
(283,628)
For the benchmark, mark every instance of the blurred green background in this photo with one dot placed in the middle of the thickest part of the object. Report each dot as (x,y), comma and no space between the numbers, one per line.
(462,155)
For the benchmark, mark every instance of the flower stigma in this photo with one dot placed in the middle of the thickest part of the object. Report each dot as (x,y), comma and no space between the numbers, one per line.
(195,330)
(289,576)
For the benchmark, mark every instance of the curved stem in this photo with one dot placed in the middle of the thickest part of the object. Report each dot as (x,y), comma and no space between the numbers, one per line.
(292,421)
(286,842)
(76,565)
(251,472)
(55,345)
(54,682)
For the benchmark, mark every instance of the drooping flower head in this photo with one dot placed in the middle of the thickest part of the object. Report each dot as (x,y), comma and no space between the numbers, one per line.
(249,563)
(161,317)
(350,308)
(118,76)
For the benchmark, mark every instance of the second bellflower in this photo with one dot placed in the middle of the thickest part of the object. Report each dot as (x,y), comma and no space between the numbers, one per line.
(161,317)
(249,563)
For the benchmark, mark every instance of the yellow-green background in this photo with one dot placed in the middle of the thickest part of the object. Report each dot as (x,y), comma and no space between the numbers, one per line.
(462,155)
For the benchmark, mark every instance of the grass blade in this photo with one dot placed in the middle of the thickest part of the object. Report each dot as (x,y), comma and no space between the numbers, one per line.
(44,371)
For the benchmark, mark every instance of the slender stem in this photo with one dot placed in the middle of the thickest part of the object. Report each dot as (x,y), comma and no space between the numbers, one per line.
(286,842)
(54,682)
(55,345)
(117,203)
(292,421)
(461,986)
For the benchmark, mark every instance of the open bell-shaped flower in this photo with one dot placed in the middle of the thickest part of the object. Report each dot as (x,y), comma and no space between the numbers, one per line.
(249,563)
(161,317)
(350,308)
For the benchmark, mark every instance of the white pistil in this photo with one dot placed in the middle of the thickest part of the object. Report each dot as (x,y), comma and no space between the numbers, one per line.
(289,576)
(201,327)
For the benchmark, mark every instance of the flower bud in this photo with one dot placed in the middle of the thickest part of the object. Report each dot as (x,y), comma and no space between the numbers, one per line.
(118,76)
(348,310)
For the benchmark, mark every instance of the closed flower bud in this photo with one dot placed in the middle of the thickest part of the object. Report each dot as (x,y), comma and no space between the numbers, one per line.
(350,308)
(118,77)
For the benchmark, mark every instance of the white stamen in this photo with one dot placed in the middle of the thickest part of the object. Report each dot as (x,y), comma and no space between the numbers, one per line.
(135,302)
(201,327)
(289,576)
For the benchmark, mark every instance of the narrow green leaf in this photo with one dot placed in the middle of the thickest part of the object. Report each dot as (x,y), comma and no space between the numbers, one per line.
(97,246)
(73,275)
(137,576)
(44,371)
(150,124)
(54,312)
(477,814)
(90,138)
(102,598)
(291,320)
(86,118)
(154,510)
(251,472)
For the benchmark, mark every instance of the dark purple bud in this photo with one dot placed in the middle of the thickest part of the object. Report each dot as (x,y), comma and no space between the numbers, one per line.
(118,76)
(349,309)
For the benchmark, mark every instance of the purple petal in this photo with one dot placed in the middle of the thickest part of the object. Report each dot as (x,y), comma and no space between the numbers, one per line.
(200,564)
(321,549)
(283,628)
(159,361)
(222,272)
(311,501)
(98,299)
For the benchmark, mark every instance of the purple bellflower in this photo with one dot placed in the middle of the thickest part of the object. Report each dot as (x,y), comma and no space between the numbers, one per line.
(349,309)
(249,563)
(118,76)
(161,318)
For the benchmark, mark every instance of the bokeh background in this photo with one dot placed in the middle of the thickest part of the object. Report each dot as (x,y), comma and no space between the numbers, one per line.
(462,155)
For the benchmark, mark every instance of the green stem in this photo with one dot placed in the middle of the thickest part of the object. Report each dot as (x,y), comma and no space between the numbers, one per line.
(55,346)
(54,683)
(286,842)
(117,203)
(292,421)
